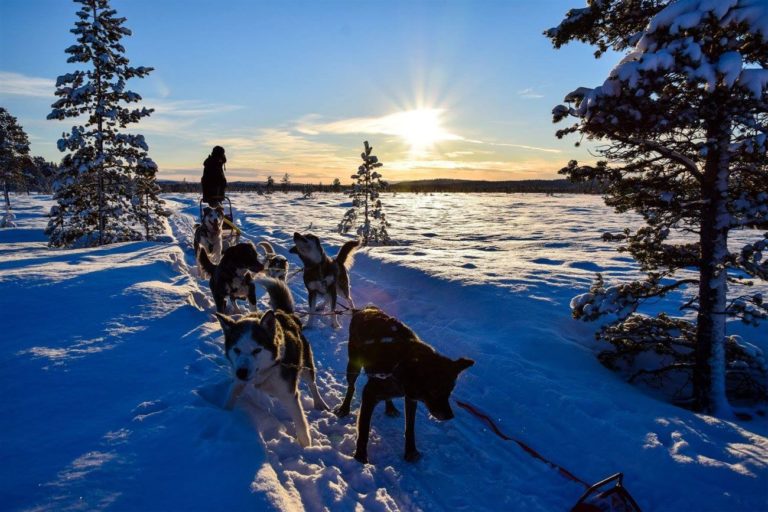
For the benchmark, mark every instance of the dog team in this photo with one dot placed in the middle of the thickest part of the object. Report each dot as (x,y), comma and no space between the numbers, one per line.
(268,350)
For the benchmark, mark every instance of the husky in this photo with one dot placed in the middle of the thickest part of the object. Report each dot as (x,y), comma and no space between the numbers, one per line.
(208,233)
(268,351)
(323,276)
(398,364)
(233,276)
(275,265)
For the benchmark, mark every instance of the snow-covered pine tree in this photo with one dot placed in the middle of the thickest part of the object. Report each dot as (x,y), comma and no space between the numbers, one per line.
(14,157)
(270,186)
(366,186)
(682,123)
(105,188)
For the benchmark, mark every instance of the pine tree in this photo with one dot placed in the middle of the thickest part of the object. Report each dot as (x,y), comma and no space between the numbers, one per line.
(681,123)
(336,187)
(14,157)
(366,186)
(106,185)
(285,183)
(270,186)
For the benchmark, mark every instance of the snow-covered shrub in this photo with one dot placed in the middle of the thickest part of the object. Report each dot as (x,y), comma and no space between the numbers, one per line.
(367,214)
(682,123)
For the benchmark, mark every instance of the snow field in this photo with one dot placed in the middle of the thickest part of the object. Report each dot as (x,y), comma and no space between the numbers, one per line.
(114,395)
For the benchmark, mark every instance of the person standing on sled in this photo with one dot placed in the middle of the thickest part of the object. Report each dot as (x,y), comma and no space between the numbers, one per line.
(213,181)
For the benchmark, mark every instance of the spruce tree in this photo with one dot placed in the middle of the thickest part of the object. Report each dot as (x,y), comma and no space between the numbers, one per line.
(14,157)
(285,183)
(105,189)
(365,193)
(681,125)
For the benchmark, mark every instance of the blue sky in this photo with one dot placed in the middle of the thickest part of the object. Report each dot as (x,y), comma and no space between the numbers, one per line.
(458,89)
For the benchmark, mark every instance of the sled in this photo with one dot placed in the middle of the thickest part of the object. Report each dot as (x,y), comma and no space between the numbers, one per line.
(230,233)
(607,495)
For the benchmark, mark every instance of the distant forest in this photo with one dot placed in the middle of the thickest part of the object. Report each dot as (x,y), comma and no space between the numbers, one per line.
(420,186)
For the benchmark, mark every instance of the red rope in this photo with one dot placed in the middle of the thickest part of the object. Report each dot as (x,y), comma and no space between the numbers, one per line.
(530,451)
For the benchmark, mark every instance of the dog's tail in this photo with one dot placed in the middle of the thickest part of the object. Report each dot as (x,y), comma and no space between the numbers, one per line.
(346,255)
(280,296)
(265,246)
(204,262)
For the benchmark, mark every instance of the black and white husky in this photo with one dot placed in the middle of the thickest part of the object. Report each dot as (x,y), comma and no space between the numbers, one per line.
(208,233)
(233,277)
(268,351)
(275,265)
(324,277)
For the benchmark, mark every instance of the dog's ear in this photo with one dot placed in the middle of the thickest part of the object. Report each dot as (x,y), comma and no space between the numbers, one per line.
(462,364)
(293,250)
(226,322)
(268,322)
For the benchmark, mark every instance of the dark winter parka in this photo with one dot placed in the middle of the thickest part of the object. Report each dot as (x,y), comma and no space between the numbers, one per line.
(213,181)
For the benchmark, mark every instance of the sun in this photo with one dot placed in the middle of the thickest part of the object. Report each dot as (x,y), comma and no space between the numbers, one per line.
(420,128)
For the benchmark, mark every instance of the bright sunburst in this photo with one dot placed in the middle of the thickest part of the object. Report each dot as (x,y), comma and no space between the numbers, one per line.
(421,128)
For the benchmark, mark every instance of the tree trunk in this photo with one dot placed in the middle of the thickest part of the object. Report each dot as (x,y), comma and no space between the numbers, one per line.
(709,372)
(100,140)
(7,195)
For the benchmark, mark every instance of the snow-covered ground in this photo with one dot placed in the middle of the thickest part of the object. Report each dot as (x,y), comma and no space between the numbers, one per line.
(112,373)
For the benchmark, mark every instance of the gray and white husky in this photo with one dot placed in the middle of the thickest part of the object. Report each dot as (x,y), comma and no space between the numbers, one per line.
(268,351)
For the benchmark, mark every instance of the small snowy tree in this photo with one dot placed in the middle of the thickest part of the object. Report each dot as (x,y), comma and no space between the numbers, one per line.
(682,119)
(285,183)
(366,185)
(105,188)
(14,157)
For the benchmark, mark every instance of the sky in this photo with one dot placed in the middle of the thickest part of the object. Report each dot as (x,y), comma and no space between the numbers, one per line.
(448,89)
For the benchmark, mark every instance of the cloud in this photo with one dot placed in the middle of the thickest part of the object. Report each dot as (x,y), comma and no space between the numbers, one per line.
(177,117)
(523,146)
(401,124)
(22,85)
(529,93)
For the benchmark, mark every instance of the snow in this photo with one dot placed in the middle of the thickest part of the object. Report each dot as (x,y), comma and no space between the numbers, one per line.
(113,375)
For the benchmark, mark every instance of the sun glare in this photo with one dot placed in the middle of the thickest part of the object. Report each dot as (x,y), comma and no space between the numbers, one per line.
(421,129)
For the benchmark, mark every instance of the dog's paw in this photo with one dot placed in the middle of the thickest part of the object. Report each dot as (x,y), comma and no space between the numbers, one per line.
(413,456)
(361,457)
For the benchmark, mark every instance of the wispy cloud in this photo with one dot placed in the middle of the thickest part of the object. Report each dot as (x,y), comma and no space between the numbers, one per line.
(530,93)
(398,123)
(23,85)
(177,117)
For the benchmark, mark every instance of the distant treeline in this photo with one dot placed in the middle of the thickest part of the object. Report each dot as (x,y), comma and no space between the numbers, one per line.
(421,186)
(530,186)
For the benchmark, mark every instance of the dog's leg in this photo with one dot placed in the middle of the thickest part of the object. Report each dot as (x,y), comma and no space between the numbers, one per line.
(288,396)
(221,303)
(309,376)
(364,422)
(253,304)
(353,372)
(312,299)
(332,293)
(234,393)
(391,410)
(411,453)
